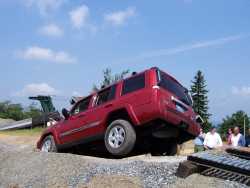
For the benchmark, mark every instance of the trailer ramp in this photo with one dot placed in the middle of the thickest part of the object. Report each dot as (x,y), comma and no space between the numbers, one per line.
(218,164)
(226,175)
(26,123)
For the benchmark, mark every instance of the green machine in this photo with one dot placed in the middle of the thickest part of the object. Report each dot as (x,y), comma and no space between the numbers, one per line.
(49,111)
(46,103)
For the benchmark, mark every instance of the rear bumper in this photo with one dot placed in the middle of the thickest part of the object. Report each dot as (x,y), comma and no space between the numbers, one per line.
(165,107)
(158,111)
(181,121)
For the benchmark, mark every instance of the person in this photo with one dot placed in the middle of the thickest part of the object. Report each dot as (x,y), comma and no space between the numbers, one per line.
(198,142)
(229,135)
(248,139)
(237,139)
(212,139)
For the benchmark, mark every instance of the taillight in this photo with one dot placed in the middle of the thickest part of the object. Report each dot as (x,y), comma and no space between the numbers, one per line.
(156,87)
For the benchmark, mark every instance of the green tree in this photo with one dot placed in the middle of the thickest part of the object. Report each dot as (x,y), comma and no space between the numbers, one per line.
(200,98)
(32,111)
(16,112)
(9,110)
(236,119)
(108,78)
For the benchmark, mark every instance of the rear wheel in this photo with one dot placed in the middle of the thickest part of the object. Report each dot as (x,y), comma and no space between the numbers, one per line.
(172,148)
(120,138)
(48,144)
(164,147)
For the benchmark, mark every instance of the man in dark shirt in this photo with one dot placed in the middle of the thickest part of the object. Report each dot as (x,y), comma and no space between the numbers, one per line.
(248,139)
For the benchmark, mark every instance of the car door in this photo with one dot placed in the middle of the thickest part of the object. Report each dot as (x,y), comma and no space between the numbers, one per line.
(72,129)
(136,92)
(102,105)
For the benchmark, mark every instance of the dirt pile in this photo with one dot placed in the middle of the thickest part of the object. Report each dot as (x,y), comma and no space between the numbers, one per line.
(37,169)
(23,167)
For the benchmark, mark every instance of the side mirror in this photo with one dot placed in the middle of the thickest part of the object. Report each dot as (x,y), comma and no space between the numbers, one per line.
(65,113)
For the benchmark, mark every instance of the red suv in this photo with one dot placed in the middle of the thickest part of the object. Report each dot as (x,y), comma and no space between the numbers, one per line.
(148,107)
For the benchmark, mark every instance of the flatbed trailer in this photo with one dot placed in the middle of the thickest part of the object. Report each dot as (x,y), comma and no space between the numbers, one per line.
(26,123)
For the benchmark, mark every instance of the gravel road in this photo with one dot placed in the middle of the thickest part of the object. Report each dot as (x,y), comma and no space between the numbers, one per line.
(22,167)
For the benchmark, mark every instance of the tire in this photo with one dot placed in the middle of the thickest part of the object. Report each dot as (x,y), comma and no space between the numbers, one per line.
(172,148)
(120,138)
(48,144)
(164,147)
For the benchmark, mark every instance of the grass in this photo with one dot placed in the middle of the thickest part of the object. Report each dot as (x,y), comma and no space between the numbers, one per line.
(24,132)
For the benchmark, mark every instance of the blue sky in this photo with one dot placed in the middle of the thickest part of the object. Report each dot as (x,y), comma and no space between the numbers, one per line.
(60,47)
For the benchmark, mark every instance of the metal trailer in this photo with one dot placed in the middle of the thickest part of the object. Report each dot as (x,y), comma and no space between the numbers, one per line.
(49,112)
(233,165)
(26,123)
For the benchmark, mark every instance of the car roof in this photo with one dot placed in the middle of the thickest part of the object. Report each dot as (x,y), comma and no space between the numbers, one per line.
(131,76)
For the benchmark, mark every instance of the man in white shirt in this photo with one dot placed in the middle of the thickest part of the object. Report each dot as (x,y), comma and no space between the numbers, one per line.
(212,139)
(237,139)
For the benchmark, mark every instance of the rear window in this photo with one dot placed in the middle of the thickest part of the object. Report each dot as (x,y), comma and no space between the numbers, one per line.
(171,85)
(133,84)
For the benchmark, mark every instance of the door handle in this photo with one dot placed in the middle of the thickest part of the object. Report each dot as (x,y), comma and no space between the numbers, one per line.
(108,105)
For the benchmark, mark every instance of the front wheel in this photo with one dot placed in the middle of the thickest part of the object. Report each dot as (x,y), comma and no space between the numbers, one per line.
(48,144)
(120,138)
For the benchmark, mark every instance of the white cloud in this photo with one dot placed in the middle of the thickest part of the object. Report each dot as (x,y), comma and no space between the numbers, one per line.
(119,17)
(46,54)
(37,89)
(76,94)
(79,16)
(51,30)
(45,6)
(189,47)
(242,91)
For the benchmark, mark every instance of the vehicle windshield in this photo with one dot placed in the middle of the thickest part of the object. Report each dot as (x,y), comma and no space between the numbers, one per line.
(168,83)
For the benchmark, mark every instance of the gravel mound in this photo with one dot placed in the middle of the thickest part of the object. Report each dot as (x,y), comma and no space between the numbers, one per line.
(37,169)
(26,168)
(112,181)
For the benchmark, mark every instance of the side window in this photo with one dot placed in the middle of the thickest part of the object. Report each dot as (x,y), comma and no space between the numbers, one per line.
(133,84)
(81,106)
(106,95)
(112,92)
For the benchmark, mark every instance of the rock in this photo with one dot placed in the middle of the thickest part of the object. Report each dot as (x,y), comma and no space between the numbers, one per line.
(186,168)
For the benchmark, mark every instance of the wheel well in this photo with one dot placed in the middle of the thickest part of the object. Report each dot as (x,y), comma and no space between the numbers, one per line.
(47,134)
(118,114)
